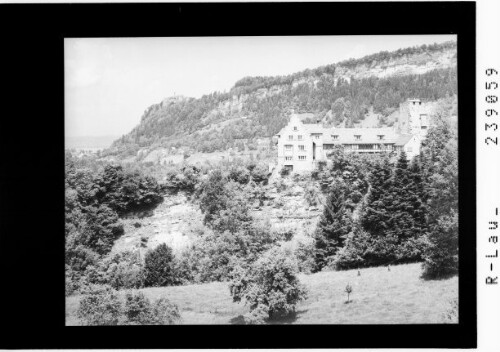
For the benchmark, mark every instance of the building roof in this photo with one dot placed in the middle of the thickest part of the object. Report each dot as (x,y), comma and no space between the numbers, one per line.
(366,135)
(403,139)
(348,135)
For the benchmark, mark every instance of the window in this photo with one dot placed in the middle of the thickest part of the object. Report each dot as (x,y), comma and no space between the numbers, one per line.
(295,128)
(288,147)
(299,137)
(290,138)
(335,136)
(301,147)
(357,136)
(380,136)
(288,158)
(302,157)
(409,149)
(423,127)
(317,136)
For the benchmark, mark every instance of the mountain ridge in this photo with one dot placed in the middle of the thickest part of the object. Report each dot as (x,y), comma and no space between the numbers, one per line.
(257,107)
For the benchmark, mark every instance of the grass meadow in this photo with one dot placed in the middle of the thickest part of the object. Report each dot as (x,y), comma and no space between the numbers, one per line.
(379,296)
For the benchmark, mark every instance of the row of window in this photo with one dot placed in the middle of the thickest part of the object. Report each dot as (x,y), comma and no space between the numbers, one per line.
(290,147)
(301,157)
(334,136)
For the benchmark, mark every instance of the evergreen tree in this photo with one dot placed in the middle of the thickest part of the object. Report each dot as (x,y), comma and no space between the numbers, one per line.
(375,219)
(159,267)
(418,196)
(440,156)
(401,210)
(334,225)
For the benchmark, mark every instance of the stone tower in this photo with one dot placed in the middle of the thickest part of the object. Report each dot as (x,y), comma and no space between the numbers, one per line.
(413,118)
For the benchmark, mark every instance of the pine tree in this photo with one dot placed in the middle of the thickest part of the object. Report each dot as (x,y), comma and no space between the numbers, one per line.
(375,219)
(334,225)
(440,156)
(401,210)
(418,197)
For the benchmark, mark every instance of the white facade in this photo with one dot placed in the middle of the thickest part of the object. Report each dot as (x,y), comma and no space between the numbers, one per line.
(296,147)
(301,146)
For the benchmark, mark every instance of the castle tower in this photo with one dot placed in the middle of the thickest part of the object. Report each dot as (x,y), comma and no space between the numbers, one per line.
(413,118)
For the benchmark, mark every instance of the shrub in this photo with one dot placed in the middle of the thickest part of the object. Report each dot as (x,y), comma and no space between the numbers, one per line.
(451,314)
(363,250)
(139,310)
(305,257)
(311,195)
(214,255)
(124,271)
(441,253)
(239,174)
(164,312)
(284,172)
(100,306)
(260,173)
(186,179)
(159,267)
(270,285)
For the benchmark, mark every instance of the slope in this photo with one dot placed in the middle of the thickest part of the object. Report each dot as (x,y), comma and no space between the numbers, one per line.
(379,296)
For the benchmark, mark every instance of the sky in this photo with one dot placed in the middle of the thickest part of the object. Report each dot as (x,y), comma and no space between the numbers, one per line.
(110,82)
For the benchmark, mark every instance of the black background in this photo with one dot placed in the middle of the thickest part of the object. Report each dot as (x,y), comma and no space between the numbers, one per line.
(32,298)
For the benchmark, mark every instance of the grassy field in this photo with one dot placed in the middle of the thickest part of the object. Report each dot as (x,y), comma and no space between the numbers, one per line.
(379,296)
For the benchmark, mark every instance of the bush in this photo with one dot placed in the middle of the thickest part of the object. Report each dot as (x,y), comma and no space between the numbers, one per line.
(260,173)
(164,312)
(214,255)
(451,314)
(159,268)
(441,253)
(100,306)
(305,257)
(284,172)
(186,179)
(139,310)
(239,174)
(363,250)
(123,270)
(270,285)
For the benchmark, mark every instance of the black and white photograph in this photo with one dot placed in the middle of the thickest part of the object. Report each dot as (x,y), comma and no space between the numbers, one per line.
(261,180)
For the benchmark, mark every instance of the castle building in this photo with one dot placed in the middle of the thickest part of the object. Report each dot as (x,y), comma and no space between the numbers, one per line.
(301,146)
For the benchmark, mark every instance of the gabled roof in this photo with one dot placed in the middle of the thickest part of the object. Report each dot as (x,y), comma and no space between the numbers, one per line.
(348,135)
(403,139)
(366,135)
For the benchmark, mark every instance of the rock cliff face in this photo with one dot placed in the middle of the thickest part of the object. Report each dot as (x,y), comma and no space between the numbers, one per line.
(177,220)
(169,223)
(258,107)
(288,211)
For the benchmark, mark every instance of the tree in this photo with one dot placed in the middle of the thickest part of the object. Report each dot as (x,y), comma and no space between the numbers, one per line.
(101,228)
(100,306)
(375,219)
(440,163)
(213,196)
(334,225)
(441,254)
(270,286)
(159,269)
(402,223)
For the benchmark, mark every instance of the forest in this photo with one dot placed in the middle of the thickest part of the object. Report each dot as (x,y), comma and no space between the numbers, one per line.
(378,211)
(181,125)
